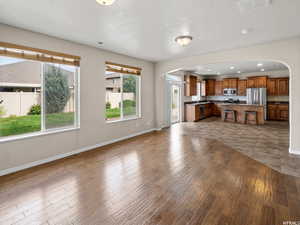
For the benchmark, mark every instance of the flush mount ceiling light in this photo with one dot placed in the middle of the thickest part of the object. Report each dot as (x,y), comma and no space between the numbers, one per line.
(262,70)
(244,31)
(105,2)
(238,71)
(259,64)
(184,40)
(232,67)
(208,70)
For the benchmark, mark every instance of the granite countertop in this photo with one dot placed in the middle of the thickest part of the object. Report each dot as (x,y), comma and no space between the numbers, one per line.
(197,103)
(243,104)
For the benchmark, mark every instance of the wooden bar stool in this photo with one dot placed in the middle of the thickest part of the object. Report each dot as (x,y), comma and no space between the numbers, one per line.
(226,111)
(246,116)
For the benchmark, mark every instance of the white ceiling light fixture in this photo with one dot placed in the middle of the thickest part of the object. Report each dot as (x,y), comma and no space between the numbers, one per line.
(184,40)
(232,67)
(244,31)
(105,2)
(208,70)
(218,73)
(260,64)
(238,71)
(262,70)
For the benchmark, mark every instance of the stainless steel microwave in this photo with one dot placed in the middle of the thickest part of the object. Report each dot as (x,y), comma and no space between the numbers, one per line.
(229,91)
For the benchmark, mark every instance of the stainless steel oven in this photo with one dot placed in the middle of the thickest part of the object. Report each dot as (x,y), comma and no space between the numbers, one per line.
(229,91)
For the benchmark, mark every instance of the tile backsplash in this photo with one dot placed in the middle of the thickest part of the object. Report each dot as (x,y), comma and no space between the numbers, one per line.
(278,98)
(223,98)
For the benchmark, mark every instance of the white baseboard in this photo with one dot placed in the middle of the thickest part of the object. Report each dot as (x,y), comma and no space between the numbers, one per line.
(294,151)
(60,156)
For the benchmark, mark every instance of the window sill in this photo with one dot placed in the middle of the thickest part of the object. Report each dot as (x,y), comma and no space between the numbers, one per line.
(37,134)
(123,120)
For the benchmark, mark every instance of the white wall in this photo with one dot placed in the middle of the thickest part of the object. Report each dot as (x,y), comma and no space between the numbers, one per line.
(93,129)
(286,51)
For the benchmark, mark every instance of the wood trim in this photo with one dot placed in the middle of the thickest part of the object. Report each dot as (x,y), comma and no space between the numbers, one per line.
(122,65)
(38,54)
(122,71)
(47,52)
(38,58)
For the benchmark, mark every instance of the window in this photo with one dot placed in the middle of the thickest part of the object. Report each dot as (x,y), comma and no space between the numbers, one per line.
(36,96)
(122,93)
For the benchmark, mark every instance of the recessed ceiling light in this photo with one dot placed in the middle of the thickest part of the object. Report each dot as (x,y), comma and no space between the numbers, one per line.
(105,2)
(244,31)
(259,64)
(184,40)
(262,70)
(238,71)
(208,70)
(232,67)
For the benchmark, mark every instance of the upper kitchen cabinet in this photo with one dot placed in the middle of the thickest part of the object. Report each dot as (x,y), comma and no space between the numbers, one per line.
(219,88)
(190,87)
(257,82)
(242,86)
(283,86)
(278,86)
(230,83)
(226,83)
(210,87)
(233,83)
(272,87)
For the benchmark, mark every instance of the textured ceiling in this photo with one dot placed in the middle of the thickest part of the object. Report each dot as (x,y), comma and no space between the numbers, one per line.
(146,29)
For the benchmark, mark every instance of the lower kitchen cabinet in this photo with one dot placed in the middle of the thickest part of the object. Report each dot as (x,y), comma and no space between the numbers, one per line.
(208,110)
(216,110)
(192,112)
(195,112)
(278,112)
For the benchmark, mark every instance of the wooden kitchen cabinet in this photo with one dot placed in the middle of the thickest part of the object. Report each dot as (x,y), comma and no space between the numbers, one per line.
(225,83)
(278,86)
(219,88)
(251,83)
(278,112)
(283,86)
(233,83)
(272,87)
(242,86)
(272,112)
(190,87)
(216,110)
(210,87)
(192,113)
(261,82)
(283,112)
(208,110)
(257,82)
(230,83)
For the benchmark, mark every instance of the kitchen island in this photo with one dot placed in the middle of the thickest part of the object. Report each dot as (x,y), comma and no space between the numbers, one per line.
(240,110)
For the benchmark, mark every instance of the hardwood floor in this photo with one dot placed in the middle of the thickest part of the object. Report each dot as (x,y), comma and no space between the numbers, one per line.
(174,176)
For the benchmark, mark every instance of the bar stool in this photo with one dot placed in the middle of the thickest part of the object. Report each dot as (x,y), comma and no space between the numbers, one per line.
(226,111)
(246,116)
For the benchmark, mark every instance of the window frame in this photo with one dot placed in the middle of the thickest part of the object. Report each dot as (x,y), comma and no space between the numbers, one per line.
(138,114)
(43,131)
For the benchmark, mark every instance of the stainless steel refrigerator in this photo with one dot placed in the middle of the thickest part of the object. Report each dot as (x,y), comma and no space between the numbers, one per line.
(257,96)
